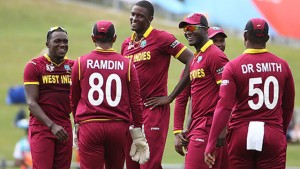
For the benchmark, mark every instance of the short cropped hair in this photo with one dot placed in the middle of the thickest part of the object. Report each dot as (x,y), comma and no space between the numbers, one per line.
(55,29)
(147,5)
(254,39)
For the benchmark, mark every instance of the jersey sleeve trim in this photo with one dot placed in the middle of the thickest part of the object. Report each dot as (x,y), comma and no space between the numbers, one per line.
(31,83)
(177,131)
(180,52)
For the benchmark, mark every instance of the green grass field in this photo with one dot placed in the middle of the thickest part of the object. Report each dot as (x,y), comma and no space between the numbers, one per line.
(23,29)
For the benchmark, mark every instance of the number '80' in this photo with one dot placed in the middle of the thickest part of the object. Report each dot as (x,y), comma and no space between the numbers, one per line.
(107,95)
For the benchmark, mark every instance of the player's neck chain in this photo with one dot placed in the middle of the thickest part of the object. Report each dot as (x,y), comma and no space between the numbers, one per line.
(133,44)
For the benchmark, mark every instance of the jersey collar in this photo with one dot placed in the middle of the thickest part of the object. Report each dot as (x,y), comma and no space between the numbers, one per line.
(204,47)
(49,59)
(253,51)
(145,35)
(99,49)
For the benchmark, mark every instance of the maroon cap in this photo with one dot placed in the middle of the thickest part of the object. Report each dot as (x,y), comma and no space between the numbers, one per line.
(103,30)
(212,31)
(259,27)
(194,19)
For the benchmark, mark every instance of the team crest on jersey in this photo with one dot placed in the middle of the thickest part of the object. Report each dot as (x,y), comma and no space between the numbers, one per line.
(199,58)
(50,67)
(67,68)
(143,43)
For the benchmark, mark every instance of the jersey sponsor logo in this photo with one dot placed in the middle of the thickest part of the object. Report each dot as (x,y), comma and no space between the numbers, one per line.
(175,43)
(199,139)
(197,74)
(154,128)
(56,79)
(224,82)
(50,67)
(32,62)
(143,43)
(220,70)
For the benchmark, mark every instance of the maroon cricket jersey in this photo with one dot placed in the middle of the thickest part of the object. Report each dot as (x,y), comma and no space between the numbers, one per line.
(151,58)
(105,86)
(54,88)
(256,86)
(205,75)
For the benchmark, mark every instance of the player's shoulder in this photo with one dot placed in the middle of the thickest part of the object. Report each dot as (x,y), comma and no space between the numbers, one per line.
(120,57)
(215,52)
(37,60)
(70,61)
(161,33)
(127,40)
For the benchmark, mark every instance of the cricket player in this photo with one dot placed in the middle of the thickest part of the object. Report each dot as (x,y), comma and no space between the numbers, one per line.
(258,95)
(150,50)
(47,85)
(218,36)
(104,91)
(205,76)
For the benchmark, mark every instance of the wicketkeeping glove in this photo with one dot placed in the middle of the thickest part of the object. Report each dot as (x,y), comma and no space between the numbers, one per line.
(139,150)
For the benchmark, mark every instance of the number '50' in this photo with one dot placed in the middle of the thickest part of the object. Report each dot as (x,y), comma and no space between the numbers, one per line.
(263,96)
(98,88)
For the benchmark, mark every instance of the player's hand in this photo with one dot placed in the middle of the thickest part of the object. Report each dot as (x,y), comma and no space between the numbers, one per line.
(181,144)
(59,132)
(209,159)
(75,136)
(221,139)
(139,150)
(157,101)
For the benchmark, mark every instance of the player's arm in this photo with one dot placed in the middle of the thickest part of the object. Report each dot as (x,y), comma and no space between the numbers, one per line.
(179,109)
(180,141)
(217,62)
(288,100)
(185,57)
(139,150)
(32,98)
(75,90)
(222,112)
(135,97)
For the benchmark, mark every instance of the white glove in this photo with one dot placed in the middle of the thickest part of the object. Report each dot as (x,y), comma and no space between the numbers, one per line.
(75,137)
(139,150)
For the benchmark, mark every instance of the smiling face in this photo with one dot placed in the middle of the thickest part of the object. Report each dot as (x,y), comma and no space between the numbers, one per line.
(58,45)
(140,19)
(196,37)
(219,41)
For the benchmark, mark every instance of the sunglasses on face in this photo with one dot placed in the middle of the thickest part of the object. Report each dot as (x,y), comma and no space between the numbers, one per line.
(192,28)
(52,29)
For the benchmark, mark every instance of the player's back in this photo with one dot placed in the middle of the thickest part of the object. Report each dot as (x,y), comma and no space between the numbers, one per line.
(104,78)
(260,80)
